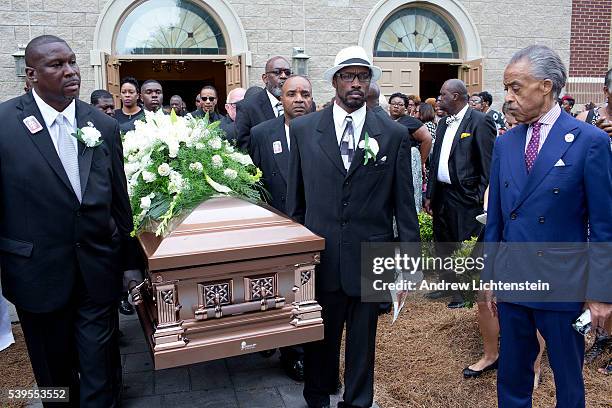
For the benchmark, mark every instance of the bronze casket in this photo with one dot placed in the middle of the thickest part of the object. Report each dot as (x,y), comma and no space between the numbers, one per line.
(232,278)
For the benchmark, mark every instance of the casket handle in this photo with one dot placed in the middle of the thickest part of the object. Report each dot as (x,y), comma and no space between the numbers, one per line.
(219,311)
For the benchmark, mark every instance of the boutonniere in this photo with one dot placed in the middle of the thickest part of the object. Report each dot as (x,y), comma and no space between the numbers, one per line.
(89,136)
(464,135)
(370,148)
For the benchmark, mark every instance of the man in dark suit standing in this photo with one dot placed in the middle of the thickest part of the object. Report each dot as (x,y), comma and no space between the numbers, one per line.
(263,105)
(65,223)
(333,193)
(269,149)
(551,186)
(459,175)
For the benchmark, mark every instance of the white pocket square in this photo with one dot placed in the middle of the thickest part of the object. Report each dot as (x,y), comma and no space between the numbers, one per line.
(560,163)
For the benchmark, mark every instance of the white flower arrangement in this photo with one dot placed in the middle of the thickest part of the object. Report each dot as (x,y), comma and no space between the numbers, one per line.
(174,163)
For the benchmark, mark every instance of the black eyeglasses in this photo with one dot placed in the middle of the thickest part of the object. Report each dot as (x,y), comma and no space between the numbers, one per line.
(208,98)
(279,72)
(350,76)
(398,105)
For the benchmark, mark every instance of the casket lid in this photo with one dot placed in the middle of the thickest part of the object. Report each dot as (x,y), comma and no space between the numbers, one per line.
(228,229)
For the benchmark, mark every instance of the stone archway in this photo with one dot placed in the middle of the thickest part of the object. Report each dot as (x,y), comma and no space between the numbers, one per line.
(452,10)
(115,11)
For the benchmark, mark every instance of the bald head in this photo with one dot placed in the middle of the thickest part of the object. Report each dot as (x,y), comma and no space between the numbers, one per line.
(453,96)
(373,95)
(276,60)
(235,95)
(32,50)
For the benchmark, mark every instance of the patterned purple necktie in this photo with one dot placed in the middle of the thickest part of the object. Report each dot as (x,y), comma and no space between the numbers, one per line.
(532,148)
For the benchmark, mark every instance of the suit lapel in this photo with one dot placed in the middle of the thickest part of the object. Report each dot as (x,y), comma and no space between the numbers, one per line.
(42,139)
(460,130)
(278,135)
(328,140)
(553,148)
(517,156)
(266,107)
(371,127)
(84,154)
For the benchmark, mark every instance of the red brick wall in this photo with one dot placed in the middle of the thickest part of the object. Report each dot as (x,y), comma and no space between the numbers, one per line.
(590,38)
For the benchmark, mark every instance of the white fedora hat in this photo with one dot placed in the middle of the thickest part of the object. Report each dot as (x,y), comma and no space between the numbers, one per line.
(352,56)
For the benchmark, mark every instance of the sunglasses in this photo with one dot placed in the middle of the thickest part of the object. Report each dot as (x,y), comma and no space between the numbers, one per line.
(208,98)
(279,72)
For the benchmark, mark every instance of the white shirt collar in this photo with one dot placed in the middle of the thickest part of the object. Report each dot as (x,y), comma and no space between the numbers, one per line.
(461,113)
(273,100)
(49,113)
(340,115)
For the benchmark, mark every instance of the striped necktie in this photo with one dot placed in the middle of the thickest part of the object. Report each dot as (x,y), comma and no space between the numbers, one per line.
(347,143)
(68,155)
(279,109)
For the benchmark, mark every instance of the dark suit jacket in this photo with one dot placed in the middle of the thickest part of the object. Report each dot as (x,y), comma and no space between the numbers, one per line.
(46,236)
(470,157)
(229,127)
(250,112)
(348,208)
(212,117)
(275,166)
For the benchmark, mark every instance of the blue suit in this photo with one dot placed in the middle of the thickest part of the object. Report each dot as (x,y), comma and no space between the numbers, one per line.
(567,197)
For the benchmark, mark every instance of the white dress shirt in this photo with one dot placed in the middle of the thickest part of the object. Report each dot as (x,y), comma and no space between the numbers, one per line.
(287,135)
(447,143)
(273,102)
(49,115)
(340,122)
(547,121)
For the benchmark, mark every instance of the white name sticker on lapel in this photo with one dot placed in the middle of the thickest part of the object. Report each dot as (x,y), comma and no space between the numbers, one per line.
(277,147)
(32,124)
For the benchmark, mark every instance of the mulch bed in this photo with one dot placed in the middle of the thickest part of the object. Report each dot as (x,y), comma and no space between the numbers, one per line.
(15,369)
(420,359)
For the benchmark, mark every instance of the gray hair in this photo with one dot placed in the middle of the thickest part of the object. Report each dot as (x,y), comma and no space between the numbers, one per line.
(545,64)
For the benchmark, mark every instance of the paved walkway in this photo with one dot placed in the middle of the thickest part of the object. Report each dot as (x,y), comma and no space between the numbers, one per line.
(249,381)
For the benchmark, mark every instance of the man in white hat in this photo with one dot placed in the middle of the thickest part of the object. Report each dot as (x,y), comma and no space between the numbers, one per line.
(336,194)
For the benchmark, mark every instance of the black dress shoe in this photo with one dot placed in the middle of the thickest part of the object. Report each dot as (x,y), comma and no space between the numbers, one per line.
(294,368)
(456,305)
(469,373)
(125,307)
(436,294)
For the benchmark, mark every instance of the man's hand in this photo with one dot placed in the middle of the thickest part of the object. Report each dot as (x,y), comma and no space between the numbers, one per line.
(427,206)
(601,315)
(423,172)
(604,125)
(489,299)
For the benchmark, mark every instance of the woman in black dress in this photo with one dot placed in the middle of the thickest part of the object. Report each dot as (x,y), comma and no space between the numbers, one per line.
(130,111)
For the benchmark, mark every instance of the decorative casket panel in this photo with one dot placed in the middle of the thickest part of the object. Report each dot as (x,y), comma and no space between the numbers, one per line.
(232,278)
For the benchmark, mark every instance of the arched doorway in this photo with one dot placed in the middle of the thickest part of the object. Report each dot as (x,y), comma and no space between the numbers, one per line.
(185,44)
(421,44)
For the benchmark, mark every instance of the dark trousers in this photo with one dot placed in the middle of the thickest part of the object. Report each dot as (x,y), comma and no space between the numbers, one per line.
(322,358)
(76,347)
(454,221)
(519,348)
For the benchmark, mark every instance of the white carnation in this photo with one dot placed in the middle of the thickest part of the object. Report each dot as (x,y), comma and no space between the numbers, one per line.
(148,177)
(199,146)
(145,203)
(197,167)
(91,136)
(243,159)
(230,174)
(217,161)
(177,183)
(163,169)
(215,143)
